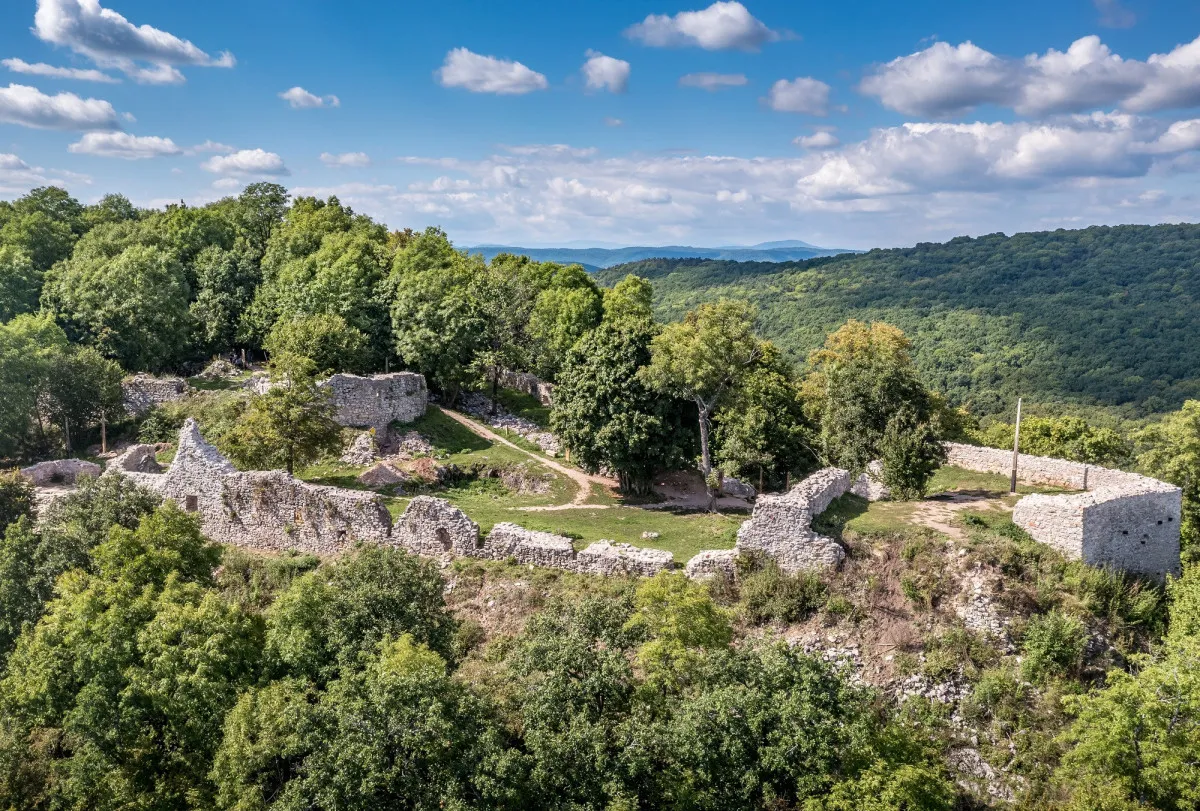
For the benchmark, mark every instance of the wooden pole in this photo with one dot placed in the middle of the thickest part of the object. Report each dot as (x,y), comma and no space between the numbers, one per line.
(1012,485)
(104,435)
(787,481)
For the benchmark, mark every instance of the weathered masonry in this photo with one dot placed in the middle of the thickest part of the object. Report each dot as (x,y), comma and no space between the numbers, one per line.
(268,510)
(142,393)
(378,401)
(1122,520)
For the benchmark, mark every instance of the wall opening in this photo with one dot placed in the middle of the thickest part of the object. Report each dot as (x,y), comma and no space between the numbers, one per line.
(191,503)
(443,538)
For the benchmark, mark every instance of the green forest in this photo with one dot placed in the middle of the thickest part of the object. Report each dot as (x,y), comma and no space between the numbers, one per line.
(1100,317)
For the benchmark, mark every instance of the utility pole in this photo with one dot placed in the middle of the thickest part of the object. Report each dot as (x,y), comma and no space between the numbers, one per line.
(1012,487)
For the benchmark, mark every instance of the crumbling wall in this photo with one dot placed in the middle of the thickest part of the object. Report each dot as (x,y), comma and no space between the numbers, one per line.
(137,459)
(780,526)
(608,558)
(711,562)
(1123,520)
(433,526)
(869,484)
(529,384)
(378,401)
(528,546)
(141,393)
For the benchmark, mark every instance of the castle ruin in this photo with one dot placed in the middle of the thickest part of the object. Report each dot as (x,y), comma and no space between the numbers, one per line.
(376,402)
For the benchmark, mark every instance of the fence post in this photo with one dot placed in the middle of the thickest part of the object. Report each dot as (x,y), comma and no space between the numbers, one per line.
(1012,487)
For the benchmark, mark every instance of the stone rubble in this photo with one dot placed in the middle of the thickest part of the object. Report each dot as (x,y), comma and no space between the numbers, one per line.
(141,393)
(737,488)
(479,406)
(219,369)
(362,450)
(530,384)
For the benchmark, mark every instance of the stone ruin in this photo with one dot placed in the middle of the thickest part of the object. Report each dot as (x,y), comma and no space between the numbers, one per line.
(59,471)
(780,526)
(1122,520)
(142,393)
(260,509)
(378,401)
(527,383)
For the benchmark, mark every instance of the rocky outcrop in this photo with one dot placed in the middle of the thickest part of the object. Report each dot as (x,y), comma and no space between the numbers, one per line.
(780,526)
(59,471)
(737,488)
(378,401)
(362,450)
(142,393)
(1123,520)
(137,459)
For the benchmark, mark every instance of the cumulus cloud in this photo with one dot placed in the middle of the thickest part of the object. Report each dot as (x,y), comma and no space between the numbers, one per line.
(299,99)
(720,27)
(487,74)
(54,72)
(111,41)
(822,139)
(606,73)
(943,80)
(802,95)
(712,81)
(346,159)
(246,162)
(30,107)
(124,145)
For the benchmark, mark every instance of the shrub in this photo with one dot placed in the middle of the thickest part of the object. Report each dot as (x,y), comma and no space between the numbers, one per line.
(768,594)
(16,498)
(1053,646)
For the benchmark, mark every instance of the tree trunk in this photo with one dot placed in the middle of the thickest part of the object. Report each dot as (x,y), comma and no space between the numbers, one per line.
(495,388)
(705,453)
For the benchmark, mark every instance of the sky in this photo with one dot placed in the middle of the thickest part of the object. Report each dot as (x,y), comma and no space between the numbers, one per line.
(854,124)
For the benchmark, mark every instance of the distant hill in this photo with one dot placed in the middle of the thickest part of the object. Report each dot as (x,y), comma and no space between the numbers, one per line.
(599,258)
(1097,317)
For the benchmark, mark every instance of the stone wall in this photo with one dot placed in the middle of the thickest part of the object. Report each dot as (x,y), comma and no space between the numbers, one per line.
(261,509)
(780,526)
(59,471)
(376,402)
(1123,520)
(141,393)
(529,384)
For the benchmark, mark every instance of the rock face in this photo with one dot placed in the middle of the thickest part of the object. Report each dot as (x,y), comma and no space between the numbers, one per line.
(869,484)
(259,509)
(737,488)
(780,526)
(1123,520)
(137,459)
(59,471)
(141,393)
(378,401)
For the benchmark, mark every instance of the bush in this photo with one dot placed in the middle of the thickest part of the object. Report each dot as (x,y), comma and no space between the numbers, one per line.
(768,594)
(16,498)
(1053,646)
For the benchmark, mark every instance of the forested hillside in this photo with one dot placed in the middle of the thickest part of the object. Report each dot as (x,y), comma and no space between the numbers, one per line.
(1101,316)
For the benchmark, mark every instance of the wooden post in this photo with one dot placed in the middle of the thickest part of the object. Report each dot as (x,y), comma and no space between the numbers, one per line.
(787,482)
(104,437)
(387,365)
(760,479)
(1085,471)
(1012,486)
(244,357)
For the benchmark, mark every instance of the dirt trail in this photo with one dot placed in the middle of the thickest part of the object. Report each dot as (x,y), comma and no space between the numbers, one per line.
(939,512)
(584,480)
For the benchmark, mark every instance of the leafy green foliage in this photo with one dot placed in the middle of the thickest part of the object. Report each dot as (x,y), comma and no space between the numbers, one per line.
(327,340)
(1172,452)
(1053,645)
(681,621)
(767,594)
(16,497)
(1063,438)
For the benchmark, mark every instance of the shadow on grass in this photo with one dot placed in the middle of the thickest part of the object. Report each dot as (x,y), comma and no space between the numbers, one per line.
(840,512)
(445,434)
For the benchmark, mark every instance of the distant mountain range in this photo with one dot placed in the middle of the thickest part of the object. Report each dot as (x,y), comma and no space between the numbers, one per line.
(791,250)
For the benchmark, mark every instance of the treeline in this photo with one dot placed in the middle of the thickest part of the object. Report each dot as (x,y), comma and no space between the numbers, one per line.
(1097,317)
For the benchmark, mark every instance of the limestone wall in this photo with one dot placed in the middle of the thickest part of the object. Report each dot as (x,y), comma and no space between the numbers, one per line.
(529,384)
(780,526)
(59,471)
(141,393)
(376,402)
(1123,520)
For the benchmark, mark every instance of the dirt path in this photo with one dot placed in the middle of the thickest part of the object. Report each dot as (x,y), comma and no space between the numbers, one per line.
(939,512)
(584,480)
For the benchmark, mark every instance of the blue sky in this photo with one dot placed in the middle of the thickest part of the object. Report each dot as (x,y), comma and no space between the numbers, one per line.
(844,124)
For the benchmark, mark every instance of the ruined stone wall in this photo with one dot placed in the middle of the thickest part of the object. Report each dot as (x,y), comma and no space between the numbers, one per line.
(59,471)
(780,526)
(529,384)
(376,402)
(141,393)
(1123,520)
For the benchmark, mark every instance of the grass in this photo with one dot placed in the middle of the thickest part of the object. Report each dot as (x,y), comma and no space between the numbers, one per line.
(851,512)
(949,478)
(525,406)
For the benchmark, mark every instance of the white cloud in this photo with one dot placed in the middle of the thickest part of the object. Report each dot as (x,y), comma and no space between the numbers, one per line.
(344,159)
(487,74)
(713,81)
(613,122)
(1114,15)
(551,150)
(722,26)
(111,41)
(17,176)
(802,95)
(227,184)
(822,139)
(30,107)
(124,145)
(53,72)
(212,146)
(246,162)
(606,73)
(944,80)
(299,98)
